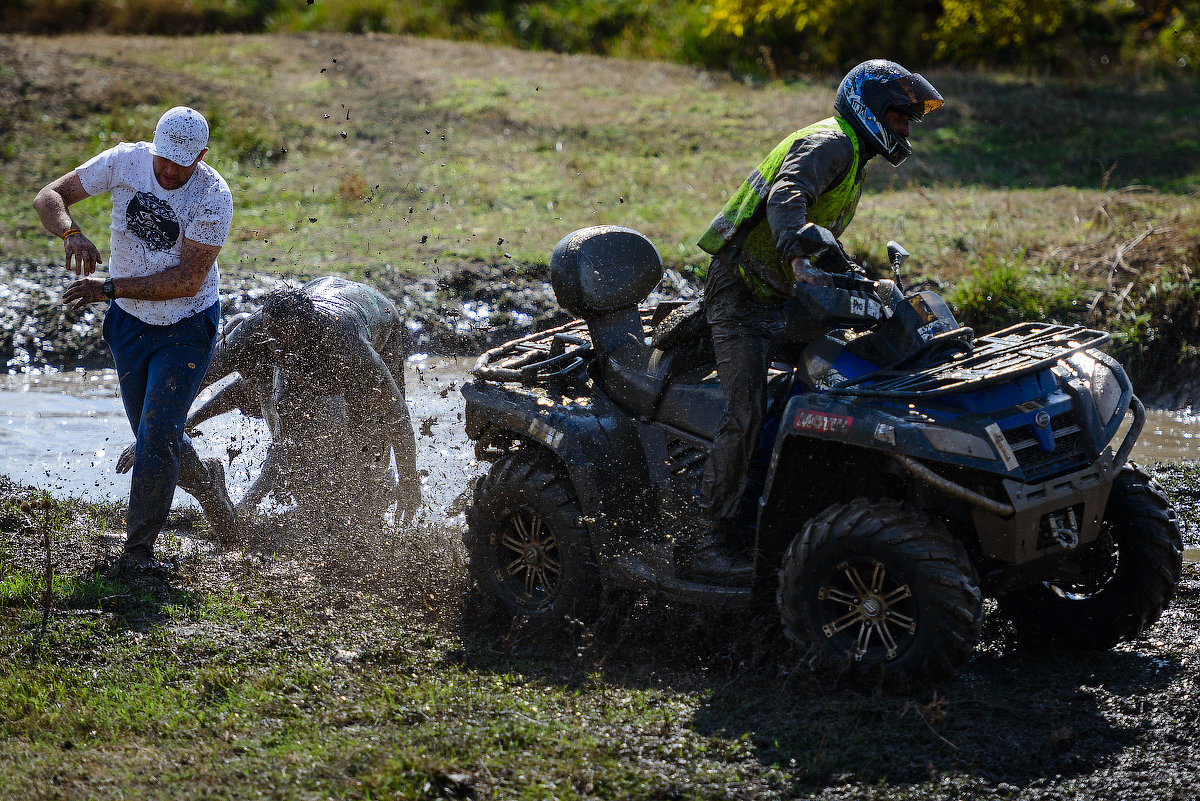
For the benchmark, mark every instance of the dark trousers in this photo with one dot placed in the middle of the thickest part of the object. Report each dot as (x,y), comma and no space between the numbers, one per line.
(160,368)
(744,331)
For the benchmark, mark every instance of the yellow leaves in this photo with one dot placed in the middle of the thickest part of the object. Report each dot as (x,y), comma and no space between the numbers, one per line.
(966,25)
(737,16)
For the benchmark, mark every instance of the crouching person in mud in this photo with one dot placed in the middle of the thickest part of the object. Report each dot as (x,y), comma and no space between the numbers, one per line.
(171,213)
(324,366)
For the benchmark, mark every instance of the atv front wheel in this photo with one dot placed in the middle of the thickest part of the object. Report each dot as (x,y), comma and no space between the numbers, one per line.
(526,543)
(883,592)
(1116,586)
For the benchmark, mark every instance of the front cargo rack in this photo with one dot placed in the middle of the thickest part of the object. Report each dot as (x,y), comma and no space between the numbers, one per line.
(997,358)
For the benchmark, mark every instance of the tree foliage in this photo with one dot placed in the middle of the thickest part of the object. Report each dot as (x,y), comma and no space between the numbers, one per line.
(765,37)
(1056,34)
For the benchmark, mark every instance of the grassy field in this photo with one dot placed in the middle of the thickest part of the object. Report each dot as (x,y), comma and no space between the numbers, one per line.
(346,153)
(296,666)
(301,669)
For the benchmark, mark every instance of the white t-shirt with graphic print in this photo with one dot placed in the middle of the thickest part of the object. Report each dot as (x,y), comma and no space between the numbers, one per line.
(149,224)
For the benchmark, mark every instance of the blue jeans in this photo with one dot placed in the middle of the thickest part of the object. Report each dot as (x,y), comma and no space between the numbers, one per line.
(160,368)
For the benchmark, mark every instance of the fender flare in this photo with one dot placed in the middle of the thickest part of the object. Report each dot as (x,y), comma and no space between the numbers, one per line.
(596,442)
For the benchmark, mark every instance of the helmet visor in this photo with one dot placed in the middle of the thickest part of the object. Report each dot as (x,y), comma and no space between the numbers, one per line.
(914,96)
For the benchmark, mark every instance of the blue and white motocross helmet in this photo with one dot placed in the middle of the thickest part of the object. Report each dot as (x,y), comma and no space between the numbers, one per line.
(872,88)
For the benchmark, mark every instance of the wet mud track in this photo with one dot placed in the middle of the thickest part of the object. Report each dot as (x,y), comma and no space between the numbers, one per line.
(1018,723)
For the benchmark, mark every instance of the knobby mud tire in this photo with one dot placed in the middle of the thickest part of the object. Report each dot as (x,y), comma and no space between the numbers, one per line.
(1135,563)
(910,566)
(527,546)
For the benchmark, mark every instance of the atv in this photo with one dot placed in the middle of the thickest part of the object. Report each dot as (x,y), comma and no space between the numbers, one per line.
(907,471)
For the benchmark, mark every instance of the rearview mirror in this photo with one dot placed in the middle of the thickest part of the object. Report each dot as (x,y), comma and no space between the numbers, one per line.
(897,255)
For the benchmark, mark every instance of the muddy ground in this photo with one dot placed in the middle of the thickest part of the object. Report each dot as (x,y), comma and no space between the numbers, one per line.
(453,314)
(1019,723)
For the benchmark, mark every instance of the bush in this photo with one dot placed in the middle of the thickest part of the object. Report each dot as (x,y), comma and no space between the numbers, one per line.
(995,296)
(1065,35)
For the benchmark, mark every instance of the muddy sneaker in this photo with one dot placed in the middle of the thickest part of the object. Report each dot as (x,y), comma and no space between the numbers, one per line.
(214,500)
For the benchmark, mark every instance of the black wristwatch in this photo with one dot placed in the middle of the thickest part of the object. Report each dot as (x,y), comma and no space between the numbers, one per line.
(110,289)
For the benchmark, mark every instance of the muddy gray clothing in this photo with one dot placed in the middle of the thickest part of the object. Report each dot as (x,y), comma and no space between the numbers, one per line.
(814,175)
(812,165)
(743,332)
(744,299)
(349,367)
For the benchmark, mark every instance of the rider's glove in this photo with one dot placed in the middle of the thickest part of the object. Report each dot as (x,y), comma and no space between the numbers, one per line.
(807,274)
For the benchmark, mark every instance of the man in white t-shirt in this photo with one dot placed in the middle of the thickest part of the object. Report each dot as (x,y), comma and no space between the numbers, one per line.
(171,213)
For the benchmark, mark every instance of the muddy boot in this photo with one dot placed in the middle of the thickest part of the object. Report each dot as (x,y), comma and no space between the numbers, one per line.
(213,497)
(140,562)
(714,560)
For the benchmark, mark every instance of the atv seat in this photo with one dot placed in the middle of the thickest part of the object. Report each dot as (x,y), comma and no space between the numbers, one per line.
(601,274)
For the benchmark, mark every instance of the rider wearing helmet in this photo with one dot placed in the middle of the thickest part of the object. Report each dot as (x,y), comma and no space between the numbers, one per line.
(814,175)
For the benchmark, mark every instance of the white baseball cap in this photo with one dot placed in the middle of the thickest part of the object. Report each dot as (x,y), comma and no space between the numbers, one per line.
(180,135)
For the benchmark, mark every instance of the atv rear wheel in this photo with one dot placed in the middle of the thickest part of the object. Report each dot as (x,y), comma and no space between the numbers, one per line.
(883,592)
(526,544)
(1116,586)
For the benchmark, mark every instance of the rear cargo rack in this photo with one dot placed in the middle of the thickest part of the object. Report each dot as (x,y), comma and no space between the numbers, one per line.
(544,357)
(534,358)
(997,358)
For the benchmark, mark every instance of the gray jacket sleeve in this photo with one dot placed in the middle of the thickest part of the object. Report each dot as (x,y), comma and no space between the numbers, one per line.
(813,165)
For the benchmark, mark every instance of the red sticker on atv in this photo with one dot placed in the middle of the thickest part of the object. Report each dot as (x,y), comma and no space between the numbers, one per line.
(822,423)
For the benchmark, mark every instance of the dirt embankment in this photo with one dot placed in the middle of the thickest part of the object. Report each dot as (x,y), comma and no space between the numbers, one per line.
(460,313)
(455,315)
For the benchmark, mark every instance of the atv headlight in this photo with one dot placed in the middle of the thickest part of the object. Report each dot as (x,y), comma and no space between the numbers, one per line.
(1105,388)
(951,440)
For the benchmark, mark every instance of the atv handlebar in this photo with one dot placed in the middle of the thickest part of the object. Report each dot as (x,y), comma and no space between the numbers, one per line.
(851,303)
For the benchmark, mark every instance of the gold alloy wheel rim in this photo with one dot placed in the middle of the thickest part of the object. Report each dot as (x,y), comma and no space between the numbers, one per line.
(863,608)
(529,555)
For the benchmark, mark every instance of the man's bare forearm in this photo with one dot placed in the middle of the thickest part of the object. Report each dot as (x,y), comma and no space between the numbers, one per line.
(181,281)
(51,209)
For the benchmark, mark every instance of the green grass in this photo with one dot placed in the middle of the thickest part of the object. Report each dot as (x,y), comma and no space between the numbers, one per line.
(180,697)
(162,700)
(350,154)
(301,672)
(534,145)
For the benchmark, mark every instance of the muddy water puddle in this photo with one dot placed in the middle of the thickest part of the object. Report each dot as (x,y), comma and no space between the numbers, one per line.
(1169,437)
(64,431)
